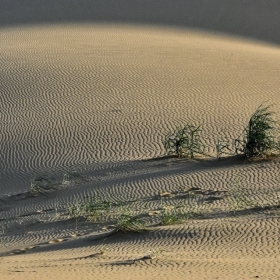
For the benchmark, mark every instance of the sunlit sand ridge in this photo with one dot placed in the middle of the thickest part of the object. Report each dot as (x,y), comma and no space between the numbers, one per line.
(97,100)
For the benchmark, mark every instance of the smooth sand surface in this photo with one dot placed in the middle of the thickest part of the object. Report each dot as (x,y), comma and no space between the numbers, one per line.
(86,105)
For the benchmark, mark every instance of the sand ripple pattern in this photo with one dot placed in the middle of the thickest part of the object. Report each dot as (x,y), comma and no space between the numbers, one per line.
(82,94)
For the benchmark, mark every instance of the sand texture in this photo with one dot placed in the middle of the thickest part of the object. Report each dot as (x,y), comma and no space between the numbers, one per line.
(86,99)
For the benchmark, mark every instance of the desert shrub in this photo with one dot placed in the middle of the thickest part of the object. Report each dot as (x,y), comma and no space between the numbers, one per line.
(184,142)
(259,138)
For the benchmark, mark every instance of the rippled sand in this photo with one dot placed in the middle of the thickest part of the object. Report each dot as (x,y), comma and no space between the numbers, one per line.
(96,100)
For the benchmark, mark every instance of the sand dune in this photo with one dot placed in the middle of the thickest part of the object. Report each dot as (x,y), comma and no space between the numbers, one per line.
(75,95)
(256,19)
(85,102)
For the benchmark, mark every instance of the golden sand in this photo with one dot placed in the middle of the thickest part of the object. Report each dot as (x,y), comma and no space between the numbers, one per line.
(85,107)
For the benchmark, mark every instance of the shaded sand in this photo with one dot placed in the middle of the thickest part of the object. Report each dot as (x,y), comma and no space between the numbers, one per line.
(86,107)
(256,19)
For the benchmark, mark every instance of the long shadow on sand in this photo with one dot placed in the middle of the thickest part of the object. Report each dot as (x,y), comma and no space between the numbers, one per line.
(160,166)
(115,237)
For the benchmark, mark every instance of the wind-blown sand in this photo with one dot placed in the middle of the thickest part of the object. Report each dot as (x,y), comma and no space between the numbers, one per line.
(87,105)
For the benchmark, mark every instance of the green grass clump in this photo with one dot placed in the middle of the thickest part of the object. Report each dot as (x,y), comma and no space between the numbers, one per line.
(260,136)
(129,223)
(171,217)
(184,142)
(103,211)
(91,209)
(176,216)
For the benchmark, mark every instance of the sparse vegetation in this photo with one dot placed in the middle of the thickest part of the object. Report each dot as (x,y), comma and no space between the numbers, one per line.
(69,176)
(176,216)
(129,223)
(91,209)
(195,203)
(260,137)
(40,185)
(222,147)
(171,217)
(104,211)
(184,142)
(239,199)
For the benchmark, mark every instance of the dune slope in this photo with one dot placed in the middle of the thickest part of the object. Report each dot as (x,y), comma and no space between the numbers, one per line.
(87,106)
